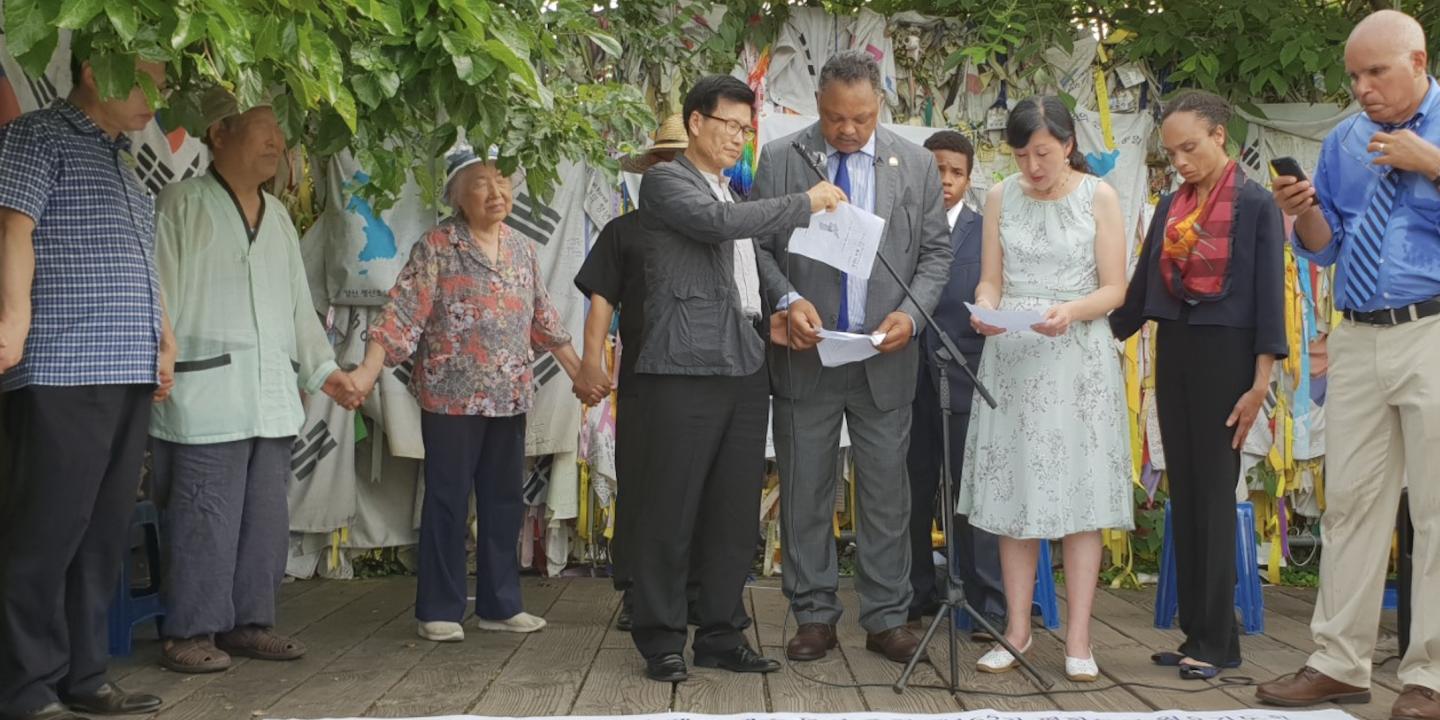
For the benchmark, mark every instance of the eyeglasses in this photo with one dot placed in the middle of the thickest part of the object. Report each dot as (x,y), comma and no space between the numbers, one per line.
(1357,147)
(734,128)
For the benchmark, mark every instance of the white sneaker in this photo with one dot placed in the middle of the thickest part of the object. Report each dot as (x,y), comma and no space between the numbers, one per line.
(441,631)
(999,660)
(521,623)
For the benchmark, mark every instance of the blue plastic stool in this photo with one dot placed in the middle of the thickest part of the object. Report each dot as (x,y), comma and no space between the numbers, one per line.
(1247,574)
(132,606)
(1043,603)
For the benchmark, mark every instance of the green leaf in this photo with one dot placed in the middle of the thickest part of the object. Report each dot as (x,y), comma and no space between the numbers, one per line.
(190,28)
(1288,53)
(367,90)
(114,75)
(76,14)
(388,15)
(344,104)
(122,17)
(27,29)
(608,43)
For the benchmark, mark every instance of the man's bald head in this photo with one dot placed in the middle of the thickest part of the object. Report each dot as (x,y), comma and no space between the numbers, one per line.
(1392,28)
(1386,60)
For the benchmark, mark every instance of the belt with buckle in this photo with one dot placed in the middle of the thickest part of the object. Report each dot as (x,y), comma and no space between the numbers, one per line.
(1396,316)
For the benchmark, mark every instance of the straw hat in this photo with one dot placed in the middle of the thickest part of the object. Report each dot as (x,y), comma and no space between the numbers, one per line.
(670,135)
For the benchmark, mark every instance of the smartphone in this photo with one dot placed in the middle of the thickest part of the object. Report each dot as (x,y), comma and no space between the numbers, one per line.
(1288,166)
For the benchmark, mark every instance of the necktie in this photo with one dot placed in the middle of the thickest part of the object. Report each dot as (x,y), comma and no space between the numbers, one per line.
(1362,278)
(842,181)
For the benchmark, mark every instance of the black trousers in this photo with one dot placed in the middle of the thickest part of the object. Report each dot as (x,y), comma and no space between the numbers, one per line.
(977,552)
(64,517)
(467,454)
(1200,373)
(696,508)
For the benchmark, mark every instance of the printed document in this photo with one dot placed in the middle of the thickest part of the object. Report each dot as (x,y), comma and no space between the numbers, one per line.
(846,238)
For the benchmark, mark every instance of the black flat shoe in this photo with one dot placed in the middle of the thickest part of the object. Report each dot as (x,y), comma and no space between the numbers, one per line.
(1172,659)
(669,667)
(111,700)
(53,711)
(741,659)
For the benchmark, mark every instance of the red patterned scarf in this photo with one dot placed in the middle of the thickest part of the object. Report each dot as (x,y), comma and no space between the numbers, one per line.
(1195,262)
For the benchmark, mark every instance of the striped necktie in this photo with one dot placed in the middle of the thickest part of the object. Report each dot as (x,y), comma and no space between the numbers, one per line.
(1362,277)
(842,181)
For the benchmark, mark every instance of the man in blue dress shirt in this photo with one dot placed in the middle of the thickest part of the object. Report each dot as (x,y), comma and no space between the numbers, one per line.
(1374,213)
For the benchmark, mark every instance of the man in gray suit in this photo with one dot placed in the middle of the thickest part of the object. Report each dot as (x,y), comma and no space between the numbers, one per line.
(897,180)
(705,395)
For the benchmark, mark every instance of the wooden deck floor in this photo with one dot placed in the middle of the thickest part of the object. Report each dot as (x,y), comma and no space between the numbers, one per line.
(365,660)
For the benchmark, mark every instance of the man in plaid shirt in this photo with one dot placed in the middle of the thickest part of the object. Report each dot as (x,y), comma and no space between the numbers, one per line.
(84,350)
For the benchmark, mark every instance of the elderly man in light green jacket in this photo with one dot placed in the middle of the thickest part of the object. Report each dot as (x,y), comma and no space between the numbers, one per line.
(249,344)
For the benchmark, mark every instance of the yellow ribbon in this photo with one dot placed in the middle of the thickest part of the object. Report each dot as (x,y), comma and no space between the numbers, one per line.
(1102,101)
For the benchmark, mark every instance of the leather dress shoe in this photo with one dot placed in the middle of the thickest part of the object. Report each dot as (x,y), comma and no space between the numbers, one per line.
(53,711)
(667,667)
(1416,702)
(1309,687)
(111,700)
(740,659)
(897,644)
(811,641)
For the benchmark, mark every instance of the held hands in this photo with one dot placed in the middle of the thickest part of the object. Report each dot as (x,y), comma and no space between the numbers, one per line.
(1292,195)
(825,196)
(592,384)
(897,328)
(1057,321)
(1404,150)
(1247,408)
(363,380)
(169,349)
(341,388)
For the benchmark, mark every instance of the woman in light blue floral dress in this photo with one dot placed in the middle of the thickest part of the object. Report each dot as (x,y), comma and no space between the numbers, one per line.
(1053,460)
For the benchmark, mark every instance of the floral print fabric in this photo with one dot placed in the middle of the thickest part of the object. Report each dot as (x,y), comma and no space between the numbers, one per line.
(473,326)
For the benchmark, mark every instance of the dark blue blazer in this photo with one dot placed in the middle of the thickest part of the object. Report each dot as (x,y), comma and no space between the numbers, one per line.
(951,314)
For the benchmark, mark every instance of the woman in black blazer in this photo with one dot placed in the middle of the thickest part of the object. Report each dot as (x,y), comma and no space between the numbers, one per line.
(1212,274)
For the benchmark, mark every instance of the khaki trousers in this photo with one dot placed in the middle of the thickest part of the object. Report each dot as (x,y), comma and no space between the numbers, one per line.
(1383,416)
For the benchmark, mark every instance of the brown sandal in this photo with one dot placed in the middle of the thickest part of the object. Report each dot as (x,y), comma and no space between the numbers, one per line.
(259,643)
(194,655)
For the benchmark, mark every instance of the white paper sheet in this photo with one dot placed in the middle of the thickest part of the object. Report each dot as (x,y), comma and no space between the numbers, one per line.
(840,348)
(846,238)
(1010,320)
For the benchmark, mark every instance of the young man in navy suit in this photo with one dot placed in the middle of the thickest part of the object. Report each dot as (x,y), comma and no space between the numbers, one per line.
(978,552)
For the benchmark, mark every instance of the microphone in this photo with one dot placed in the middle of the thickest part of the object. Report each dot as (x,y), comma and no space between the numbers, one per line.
(811,161)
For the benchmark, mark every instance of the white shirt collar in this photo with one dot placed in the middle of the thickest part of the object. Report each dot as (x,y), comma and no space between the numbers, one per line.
(953,214)
(869,148)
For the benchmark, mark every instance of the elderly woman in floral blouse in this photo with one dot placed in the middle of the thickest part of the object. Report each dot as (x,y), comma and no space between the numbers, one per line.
(471,307)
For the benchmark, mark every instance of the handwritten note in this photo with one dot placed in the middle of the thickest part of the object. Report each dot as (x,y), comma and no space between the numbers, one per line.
(846,238)
(841,348)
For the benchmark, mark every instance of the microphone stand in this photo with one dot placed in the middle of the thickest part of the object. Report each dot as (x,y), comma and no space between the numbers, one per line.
(954,595)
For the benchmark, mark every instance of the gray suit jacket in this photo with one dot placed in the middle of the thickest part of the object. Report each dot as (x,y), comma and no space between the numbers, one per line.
(917,243)
(694,324)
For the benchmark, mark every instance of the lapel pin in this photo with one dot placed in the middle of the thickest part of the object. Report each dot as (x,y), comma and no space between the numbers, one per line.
(894,161)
